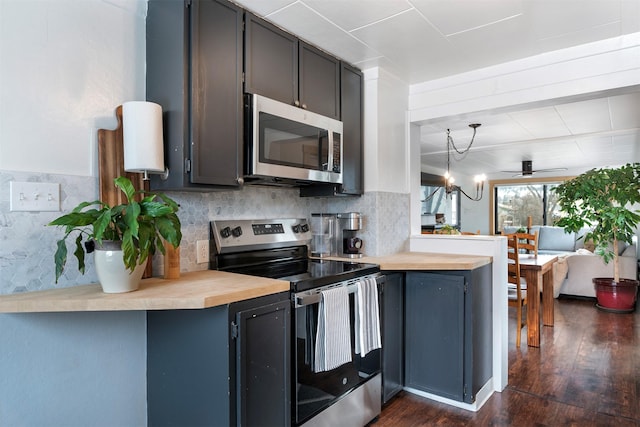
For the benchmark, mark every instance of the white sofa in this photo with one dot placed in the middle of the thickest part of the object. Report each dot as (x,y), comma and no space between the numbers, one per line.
(576,264)
(584,266)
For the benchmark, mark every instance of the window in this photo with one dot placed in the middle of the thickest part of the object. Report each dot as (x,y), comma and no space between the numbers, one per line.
(515,202)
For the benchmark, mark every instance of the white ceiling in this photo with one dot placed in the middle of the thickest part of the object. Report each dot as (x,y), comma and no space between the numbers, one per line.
(578,136)
(421,40)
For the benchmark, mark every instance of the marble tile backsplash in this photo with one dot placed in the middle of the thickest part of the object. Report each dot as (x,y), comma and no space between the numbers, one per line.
(27,245)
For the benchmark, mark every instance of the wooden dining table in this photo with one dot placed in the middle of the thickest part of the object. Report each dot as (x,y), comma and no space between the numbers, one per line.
(538,272)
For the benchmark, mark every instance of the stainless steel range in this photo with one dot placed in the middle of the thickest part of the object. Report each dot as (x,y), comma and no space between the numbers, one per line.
(348,395)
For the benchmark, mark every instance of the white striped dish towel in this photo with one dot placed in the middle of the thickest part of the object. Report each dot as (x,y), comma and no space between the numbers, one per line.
(333,338)
(367,317)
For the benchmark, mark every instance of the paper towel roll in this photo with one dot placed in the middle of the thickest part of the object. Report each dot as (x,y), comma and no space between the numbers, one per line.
(142,137)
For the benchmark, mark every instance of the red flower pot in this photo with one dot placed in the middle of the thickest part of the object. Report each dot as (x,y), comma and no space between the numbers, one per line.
(617,297)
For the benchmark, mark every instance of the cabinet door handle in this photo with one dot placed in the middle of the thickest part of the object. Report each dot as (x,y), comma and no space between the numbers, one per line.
(304,106)
(296,103)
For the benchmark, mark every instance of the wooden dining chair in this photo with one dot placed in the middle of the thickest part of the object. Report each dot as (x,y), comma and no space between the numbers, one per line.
(528,242)
(516,285)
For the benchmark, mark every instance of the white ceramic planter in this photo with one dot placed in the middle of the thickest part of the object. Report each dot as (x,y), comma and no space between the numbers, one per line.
(112,274)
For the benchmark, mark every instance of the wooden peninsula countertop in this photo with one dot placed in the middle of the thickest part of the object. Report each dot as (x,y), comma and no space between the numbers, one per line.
(200,289)
(406,261)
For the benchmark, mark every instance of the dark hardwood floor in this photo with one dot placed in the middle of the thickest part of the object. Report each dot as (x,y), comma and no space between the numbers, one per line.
(585,373)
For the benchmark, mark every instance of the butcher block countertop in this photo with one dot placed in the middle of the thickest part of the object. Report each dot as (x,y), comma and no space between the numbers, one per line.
(200,289)
(208,288)
(405,261)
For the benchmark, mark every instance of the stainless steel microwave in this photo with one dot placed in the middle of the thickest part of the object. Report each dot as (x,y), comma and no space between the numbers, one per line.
(291,145)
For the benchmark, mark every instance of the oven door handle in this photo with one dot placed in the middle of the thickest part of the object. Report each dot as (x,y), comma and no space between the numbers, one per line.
(302,299)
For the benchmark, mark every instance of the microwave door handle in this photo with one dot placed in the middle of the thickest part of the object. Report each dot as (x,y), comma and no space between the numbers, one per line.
(326,165)
(329,150)
(323,165)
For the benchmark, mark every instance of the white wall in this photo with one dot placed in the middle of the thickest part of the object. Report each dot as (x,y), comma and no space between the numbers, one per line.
(66,65)
(386,154)
(472,215)
(415,179)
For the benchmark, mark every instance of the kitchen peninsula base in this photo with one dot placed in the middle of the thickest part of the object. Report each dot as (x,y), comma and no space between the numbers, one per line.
(448,330)
(447,315)
(444,303)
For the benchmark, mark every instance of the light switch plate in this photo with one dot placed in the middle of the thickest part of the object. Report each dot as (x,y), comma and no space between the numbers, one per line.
(34,196)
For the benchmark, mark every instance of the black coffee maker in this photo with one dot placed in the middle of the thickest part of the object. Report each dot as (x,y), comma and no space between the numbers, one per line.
(347,243)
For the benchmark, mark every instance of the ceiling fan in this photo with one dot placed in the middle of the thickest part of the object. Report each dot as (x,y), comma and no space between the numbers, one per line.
(527,169)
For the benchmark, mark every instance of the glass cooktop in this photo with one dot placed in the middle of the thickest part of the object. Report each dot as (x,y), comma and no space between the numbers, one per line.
(303,273)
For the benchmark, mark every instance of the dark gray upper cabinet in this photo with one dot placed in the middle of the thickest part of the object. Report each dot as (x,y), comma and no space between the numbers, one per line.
(352,119)
(351,100)
(194,71)
(281,67)
(319,81)
(271,60)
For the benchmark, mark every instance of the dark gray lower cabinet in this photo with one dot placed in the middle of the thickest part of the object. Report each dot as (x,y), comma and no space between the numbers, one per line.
(262,370)
(448,332)
(221,366)
(392,335)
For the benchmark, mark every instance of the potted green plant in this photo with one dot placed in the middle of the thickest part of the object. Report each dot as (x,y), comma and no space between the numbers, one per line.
(603,200)
(132,231)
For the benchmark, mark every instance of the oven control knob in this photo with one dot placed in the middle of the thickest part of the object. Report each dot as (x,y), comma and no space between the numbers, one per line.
(225,232)
(304,228)
(296,228)
(237,232)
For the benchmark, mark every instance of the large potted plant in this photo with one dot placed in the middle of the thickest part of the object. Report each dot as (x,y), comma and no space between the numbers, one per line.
(123,236)
(603,200)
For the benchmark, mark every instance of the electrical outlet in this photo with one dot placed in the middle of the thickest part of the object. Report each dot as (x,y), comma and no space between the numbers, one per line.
(202,248)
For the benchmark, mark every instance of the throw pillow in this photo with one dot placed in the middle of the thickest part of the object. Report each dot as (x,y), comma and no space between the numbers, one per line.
(554,238)
(583,251)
